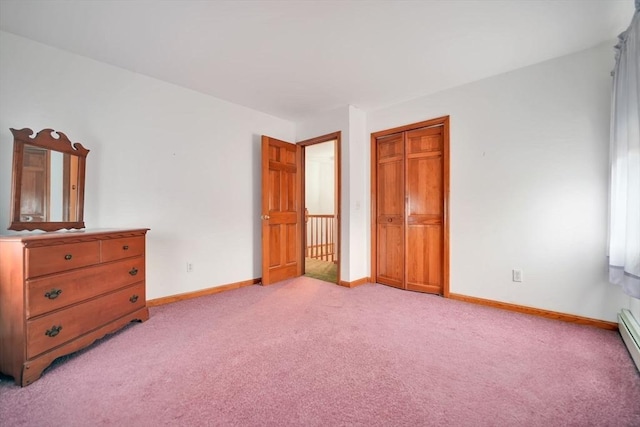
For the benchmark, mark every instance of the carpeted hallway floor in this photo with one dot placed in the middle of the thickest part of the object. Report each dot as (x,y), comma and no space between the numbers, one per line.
(321,270)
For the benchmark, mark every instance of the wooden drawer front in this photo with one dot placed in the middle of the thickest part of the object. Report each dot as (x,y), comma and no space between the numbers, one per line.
(54,292)
(126,247)
(51,259)
(52,330)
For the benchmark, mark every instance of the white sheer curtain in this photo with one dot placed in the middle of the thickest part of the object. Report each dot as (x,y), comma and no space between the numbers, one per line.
(624,223)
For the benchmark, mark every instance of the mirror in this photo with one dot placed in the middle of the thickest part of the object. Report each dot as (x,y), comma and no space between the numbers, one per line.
(48,181)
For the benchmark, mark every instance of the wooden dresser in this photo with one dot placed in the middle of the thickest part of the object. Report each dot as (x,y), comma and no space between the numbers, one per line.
(59,292)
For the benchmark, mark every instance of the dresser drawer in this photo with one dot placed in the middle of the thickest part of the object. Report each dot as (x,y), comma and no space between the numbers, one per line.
(53,292)
(51,259)
(52,330)
(125,247)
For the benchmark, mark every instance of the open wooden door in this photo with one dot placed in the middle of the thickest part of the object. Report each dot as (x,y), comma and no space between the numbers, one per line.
(281,211)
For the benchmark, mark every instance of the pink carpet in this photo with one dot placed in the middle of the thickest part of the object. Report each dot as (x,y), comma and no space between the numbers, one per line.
(311,353)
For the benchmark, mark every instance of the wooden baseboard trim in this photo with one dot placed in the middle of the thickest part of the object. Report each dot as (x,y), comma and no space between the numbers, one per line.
(355,283)
(571,318)
(209,291)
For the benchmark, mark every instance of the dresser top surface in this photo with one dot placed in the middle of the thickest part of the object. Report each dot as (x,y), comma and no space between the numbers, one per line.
(84,234)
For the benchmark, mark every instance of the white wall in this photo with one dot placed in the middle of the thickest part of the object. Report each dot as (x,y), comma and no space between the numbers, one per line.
(184,164)
(320,178)
(529,164)
(634,306)
(360,210)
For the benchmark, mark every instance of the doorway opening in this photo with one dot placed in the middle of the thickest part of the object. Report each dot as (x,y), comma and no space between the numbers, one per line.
(321,199)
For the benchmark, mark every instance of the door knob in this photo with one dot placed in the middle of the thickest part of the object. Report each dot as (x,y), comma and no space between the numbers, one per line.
(264,217)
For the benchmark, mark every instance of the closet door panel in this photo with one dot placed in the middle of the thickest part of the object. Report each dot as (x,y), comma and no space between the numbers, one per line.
(424,189)
(391,255)
(391,176)
(424,258)
(390,210)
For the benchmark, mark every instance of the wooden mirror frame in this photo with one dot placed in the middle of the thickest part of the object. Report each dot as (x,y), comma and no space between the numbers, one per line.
(44,139)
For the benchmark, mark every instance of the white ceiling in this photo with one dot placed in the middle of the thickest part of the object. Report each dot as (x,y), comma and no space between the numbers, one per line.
(293,59)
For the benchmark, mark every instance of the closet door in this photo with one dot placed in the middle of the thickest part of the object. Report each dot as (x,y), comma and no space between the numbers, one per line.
(410,195)
(390,210)
(425,213)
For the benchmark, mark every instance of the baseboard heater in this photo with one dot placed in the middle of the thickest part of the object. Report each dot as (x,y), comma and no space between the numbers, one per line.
(630,331)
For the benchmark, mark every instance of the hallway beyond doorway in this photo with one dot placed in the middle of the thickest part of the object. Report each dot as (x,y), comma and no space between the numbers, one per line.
(321,270)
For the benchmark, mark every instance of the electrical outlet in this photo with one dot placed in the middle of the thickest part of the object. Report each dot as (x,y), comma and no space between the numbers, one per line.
(189,267)
(516,275)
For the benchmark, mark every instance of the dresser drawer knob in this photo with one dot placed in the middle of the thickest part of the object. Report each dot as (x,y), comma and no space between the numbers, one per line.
(53,293)
(133,271)
(133,298)
(68,257)
(125,248)
(55,330)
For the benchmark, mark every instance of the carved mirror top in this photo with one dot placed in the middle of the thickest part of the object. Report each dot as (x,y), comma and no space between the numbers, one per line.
(45,139)
(48,181)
